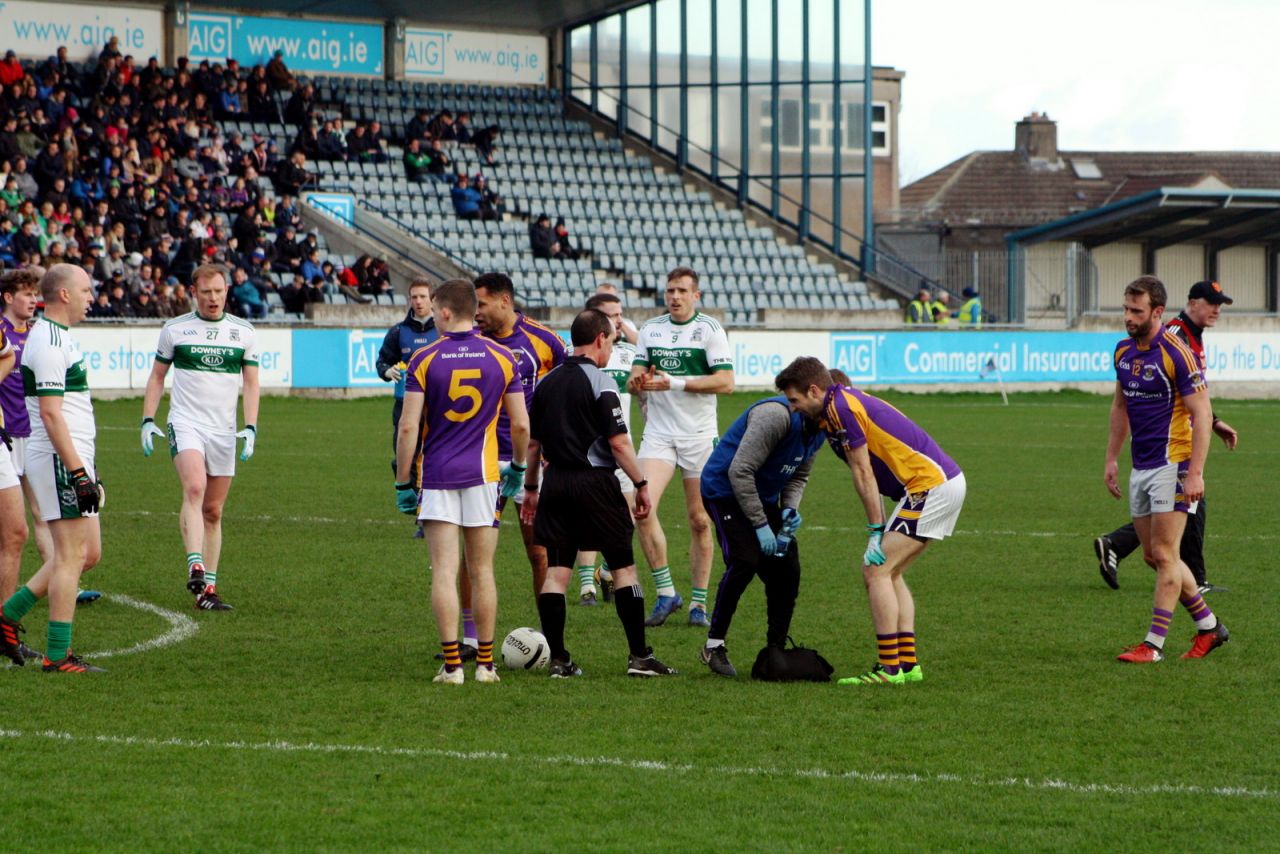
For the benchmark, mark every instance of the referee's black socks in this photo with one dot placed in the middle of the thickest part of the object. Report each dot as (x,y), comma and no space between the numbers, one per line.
(551,610)
(630,604)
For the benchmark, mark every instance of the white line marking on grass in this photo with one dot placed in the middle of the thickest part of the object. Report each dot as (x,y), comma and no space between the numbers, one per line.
(181,627)
(1047,784)
(845,529)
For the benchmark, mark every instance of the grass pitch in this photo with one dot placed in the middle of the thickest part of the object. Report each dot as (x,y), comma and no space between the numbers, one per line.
(306,718)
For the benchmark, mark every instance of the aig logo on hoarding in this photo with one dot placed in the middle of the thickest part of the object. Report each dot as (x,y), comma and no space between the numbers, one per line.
(362,356)
(209,37)
(424,52)
(855,355)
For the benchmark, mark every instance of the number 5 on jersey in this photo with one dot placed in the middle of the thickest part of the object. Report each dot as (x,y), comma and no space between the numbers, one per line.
(458,391)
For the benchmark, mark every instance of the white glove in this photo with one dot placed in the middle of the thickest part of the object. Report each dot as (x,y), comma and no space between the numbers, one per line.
(393,373)
(249,434)
(149,430)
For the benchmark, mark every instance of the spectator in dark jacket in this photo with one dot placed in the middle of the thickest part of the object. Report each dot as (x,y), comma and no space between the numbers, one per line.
(247,226)
(543,239)
(440,161)
(278,74)
(292,175)
(418,126)
(491,204)
(301,106)
(331,143)
(298,294)
(486,141)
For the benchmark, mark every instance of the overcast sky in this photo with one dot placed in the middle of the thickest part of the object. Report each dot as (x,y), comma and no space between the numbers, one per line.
(1137,75)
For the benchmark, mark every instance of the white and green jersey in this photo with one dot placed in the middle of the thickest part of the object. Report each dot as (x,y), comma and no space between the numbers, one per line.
(52,365)
(619,370)
(696,348)
(207,357)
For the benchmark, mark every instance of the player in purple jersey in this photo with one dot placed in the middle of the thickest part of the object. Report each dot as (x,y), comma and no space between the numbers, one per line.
(537,349)
(889,456)
(1161,400)
(455,390)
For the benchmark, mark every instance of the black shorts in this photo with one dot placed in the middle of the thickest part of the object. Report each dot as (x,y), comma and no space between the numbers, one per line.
(583,511)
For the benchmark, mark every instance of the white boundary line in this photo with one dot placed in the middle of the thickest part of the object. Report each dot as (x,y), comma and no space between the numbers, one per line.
(181,627)
(839,529)
(1046,784)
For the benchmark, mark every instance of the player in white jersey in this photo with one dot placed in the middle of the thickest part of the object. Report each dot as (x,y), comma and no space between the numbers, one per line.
(212,354)
(59,463)
(619,370)
(682,362)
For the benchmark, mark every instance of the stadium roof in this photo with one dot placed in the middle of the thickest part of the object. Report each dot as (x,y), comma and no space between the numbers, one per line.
(508,14)
(1169,215)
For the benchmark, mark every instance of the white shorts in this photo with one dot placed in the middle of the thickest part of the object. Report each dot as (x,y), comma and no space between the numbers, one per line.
(9,466)
(688,455)
(19,454)
(473,507)
(1159,490)
(218,449)
(55,496)
(929,515)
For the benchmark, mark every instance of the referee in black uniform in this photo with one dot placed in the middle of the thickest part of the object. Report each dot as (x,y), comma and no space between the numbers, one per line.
(576,426)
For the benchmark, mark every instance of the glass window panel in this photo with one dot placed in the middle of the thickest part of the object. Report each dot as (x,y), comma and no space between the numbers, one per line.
(700,127)
(730,120)
(668,41)
(790,41)
(822,114)
(851,46)
(637,101)
(580,67)
(729,38)
(760,39)
(638,46)
(608,50)
(789,123)
(607,102)
(790,192)
(698,13)
(821,40)
(668,119)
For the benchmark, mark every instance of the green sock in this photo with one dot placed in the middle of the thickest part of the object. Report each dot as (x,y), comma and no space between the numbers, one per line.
(210,577)
(587,578)
(59,640)
(19,604)
(700,598)
(605,573)
(662,581)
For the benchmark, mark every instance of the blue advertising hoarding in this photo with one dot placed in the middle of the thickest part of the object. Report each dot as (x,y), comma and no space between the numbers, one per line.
(970,357)
(308,46)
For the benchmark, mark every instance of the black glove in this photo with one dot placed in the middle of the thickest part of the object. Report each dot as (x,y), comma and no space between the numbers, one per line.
(86,491)
(6,438)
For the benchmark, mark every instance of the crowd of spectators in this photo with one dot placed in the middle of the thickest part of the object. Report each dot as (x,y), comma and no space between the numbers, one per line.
(125,171)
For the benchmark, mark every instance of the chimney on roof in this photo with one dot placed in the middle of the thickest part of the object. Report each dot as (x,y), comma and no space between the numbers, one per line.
(1036,137)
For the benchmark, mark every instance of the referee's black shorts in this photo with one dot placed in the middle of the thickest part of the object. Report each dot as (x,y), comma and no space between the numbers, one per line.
(583,511)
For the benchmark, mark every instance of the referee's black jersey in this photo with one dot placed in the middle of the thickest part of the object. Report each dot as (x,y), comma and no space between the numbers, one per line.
(574,413)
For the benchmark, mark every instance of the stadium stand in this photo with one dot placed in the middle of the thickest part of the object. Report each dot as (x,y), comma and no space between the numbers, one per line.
(208,153)
(630,219)
(127,172)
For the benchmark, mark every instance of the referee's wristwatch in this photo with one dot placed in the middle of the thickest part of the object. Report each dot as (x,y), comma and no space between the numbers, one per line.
(639,484)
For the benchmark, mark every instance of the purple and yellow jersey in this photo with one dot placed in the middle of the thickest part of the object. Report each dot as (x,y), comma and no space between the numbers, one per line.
(13,401)
(1155,382)
(463,377)
(905,459)
(537,350)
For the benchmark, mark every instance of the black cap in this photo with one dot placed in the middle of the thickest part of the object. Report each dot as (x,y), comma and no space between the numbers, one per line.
(1210,292)
(969,293)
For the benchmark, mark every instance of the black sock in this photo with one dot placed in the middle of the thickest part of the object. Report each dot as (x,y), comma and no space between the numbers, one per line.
(629,601)
(551,611)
